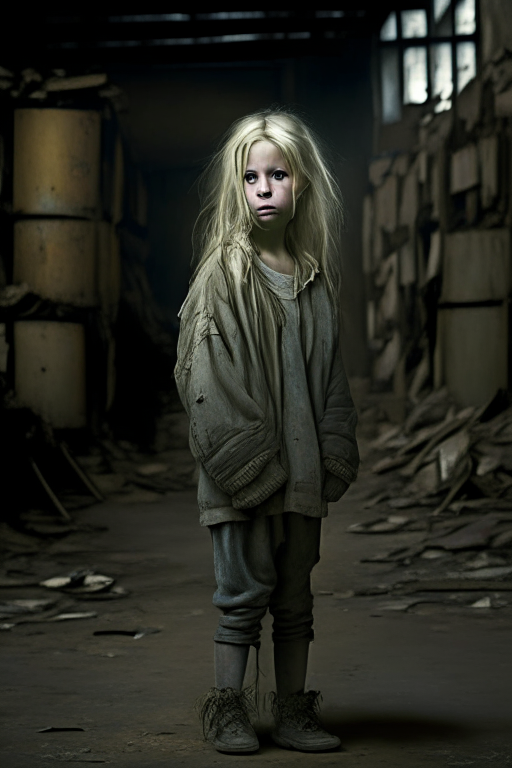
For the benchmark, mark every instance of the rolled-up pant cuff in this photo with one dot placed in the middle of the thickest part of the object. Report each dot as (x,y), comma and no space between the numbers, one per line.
(236,637)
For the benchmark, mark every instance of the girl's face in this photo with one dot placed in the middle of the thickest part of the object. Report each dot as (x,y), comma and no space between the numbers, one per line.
(268,186)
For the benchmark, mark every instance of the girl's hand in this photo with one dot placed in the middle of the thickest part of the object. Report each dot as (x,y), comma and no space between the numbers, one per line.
(334,487)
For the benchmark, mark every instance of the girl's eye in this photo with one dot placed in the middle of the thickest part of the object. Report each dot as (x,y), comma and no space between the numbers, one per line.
(279,175)
(250,177)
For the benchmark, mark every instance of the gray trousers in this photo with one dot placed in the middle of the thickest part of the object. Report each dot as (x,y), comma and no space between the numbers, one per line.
(265,563)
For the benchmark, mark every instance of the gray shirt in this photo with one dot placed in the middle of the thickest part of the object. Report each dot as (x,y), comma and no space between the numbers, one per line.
(300,439)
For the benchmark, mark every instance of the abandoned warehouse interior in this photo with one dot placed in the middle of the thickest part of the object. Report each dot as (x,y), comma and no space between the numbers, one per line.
(106,122)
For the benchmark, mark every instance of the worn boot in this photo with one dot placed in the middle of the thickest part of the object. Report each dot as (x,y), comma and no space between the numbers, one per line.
(225,716)
(297,725)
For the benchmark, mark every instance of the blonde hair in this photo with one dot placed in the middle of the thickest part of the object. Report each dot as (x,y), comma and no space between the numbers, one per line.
(225,222)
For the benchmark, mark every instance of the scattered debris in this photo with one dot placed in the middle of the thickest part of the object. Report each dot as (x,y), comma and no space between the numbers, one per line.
(401,605)
(17,541)
(74,615)
(79,582)
(380,525)
(74,83)
(135,633)
(481,573)
(85,584)
(114,593)
(475,534)
(453,471)
(76,757)
(58,729)
(11,608)
(455,582)
(484,602)
(13,294)
(432,410)
(109,483)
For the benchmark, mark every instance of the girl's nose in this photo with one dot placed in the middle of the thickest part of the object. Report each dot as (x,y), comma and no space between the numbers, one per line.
(264,188)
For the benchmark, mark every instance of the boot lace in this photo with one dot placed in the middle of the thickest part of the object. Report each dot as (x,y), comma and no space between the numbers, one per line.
(225,707)
(300,710)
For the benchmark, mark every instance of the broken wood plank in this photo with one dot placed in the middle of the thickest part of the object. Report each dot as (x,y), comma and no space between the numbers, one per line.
(455,585)
(56,503)
(81,474)
(75,83)
(445,429)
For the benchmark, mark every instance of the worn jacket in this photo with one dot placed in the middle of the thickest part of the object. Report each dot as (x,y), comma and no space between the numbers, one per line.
(236,425)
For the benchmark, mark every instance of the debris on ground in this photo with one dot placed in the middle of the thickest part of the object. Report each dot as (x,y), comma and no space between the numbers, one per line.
(64,476)
(58,729)
(13,608)
(74,615)
(450,470)
(80,582)
(135,633)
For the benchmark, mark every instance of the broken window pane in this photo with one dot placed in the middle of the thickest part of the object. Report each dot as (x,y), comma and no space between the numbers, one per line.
(390,85)
(466,64)
(415,75)
(388,29)
(440,8)
(414,23)
(441,73)
(465,18)
(442,26)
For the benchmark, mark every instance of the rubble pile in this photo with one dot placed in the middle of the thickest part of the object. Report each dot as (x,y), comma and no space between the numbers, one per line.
(446,477)
(56,85)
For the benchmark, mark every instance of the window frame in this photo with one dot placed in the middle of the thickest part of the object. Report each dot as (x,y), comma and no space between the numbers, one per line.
(402,43)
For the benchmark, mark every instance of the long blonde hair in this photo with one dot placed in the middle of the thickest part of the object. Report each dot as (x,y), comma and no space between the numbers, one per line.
(225,222)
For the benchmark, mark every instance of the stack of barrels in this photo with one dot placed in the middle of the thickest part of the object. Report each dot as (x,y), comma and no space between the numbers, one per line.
(67,253)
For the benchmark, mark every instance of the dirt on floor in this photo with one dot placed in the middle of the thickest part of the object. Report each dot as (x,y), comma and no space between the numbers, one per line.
(409,676)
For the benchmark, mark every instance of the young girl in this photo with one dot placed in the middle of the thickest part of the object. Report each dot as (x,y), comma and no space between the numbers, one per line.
(272,422)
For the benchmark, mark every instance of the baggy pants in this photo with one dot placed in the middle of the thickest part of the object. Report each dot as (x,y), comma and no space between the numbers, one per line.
(265,563)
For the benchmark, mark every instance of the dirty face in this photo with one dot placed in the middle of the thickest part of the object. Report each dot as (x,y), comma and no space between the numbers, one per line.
(268,186)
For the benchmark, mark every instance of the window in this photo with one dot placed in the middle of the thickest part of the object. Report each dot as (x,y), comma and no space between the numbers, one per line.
(427,53)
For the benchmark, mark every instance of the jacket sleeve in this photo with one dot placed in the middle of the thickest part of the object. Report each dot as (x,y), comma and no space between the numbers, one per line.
(337,428)
(229,432)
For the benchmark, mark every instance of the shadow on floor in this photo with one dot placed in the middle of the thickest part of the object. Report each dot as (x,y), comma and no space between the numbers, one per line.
(397,729)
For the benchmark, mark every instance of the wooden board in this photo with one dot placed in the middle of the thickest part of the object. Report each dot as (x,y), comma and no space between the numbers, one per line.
(476,265)
(473,351)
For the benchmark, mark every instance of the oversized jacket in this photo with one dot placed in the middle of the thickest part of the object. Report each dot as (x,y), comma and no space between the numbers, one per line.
(235,421)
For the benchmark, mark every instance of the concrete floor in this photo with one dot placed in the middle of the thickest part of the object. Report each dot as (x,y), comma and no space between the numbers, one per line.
(427,688)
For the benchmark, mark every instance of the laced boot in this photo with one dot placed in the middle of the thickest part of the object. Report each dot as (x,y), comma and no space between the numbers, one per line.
(297,723)
(225,717)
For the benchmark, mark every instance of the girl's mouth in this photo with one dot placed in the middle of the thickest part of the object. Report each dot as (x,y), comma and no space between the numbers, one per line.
(266,210)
